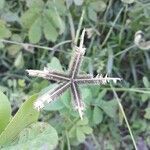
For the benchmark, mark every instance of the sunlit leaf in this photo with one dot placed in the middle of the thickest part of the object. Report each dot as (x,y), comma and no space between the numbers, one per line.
(5,111)
(37,136)
(24,117)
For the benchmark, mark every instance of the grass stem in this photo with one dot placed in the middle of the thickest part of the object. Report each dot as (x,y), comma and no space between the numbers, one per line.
(125,118)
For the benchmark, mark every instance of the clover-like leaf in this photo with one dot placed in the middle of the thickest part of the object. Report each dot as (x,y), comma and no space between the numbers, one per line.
(50,31)
(35,31)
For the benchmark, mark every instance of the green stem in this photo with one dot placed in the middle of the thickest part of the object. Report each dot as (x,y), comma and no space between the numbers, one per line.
(79,26)
(137,90)
(68,141)
(111,29)
(125,118)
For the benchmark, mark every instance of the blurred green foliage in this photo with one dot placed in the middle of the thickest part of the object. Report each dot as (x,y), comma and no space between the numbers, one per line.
(110,49)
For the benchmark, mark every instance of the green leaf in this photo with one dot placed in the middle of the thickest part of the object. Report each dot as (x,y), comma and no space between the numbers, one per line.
(146,82)
(35,31)
(37,136)
(82,122)
(97,115)
(50,31)
(98,6)
(24,117)
(94,8)
(29,17)
(58,104)
(4,32)
(65,98)
(19,61)
(54,18)
(80,135)
(60,6)
(53,106)
(109,107)
(13,50)
(72,132)
(55,64)
(86,95)
(86,129)
(5,111)
(147,113)
(92,14)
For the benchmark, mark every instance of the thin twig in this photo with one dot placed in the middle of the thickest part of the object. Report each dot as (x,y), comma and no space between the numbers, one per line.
(125,50)
(35,46)
(125,118)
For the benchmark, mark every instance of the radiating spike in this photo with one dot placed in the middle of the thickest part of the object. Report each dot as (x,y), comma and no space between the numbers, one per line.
(51,95)
(38,105)
(49,75)
(77,99)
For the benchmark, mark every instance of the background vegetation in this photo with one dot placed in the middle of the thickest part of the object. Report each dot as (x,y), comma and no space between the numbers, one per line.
(110,49)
